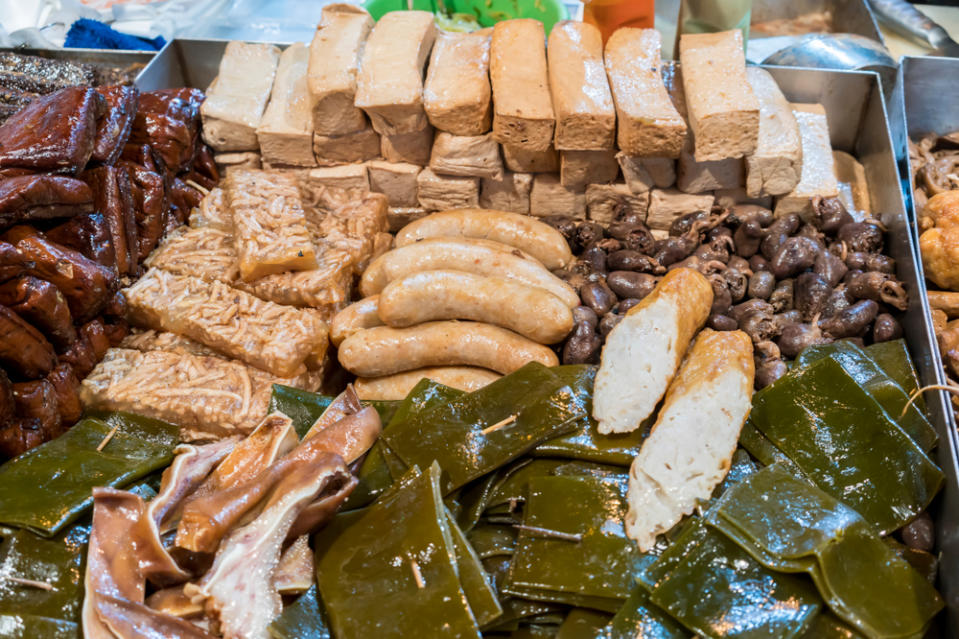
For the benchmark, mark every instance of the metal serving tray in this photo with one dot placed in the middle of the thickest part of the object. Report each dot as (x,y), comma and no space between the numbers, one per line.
(99,57)
(848,16)
(858,124)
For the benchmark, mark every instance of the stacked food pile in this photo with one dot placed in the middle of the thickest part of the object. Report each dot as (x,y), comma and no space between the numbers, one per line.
(92,178)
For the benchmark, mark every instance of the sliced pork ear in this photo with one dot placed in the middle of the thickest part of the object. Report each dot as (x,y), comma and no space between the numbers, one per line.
(53,133)
(349,437)
(130,620)
(323,509)
(239,589)
(172,601)
(113,128)
(345,404)
(295,572)
(113,568)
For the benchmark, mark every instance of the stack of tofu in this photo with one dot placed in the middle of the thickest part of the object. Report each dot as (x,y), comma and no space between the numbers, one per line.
(238,301)
(494,119)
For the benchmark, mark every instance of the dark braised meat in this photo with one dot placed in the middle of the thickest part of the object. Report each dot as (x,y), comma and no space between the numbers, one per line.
(169,121)
(7,408)
(37,197)
(88,234)
(113,197)
(12,262)
(41,304)
(37,400)
(87,285)
(113,129)
(20,435)
(23,349)
(151,203)
(66,388)
(53,133)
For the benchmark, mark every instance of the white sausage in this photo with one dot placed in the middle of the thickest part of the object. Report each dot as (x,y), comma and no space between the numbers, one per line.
(398,386)
(537,238)
(384,350)
(444,295)
(483,257)
(353,318)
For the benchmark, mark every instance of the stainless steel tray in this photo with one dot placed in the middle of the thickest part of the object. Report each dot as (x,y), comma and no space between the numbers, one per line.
(104,57)
(848,16)
(858,124)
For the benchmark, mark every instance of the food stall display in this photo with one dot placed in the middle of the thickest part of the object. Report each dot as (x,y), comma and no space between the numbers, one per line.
(457,334)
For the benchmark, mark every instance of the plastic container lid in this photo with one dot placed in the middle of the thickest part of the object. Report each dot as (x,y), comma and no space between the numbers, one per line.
(487,12)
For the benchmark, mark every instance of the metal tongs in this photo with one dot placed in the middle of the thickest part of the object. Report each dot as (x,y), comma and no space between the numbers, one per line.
(909,22)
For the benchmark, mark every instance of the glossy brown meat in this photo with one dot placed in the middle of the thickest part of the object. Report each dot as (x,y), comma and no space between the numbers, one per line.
(151,204)
(53,133)
(41,197)
(89,235)
(12,262)
(41,304)
(37,400)
(19,435)
(7,408)
(169,121)
(86,284)
(116,331)
(113,197)
(113,129)
(96,332)
(66,388)
(15,172)
(204,164)
(116,308)
(23,349)
(140,154)
(80,356)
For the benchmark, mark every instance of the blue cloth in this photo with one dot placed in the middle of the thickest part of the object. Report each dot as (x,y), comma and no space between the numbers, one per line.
(93,34)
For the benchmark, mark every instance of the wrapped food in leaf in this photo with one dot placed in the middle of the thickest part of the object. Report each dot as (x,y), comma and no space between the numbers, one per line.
(42,197)
(274,338)
(35,497)
(801,524)
(269,224)
(713,587)
(114,126)
(573,540)
(870,464)
(582,623)
(53,133)
(879,385)
(396,568)
(639,618)
(893,358)
(24,626)
(86,284)
(476,584)
(206,396)
(490,427)
(303,619)
(490,540)
(239,589)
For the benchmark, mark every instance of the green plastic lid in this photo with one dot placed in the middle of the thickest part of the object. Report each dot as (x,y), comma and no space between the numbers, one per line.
(487,12)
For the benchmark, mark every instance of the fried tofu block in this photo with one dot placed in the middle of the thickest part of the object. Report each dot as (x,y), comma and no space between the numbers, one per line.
(399,217)
(443,192)
(649,124)
(457,94)
(390,82)
(353,176)
(236,100)
(818,176)
(579,168)
(205,252)
(358,146)
(853,186)
(412,148)
(665,205)
(548,196)
(699,177)
(334,63)
(585,116)
(775,166)
(723,110)
(285,133)
(466,155)
(208,397)
(522,160)
(274,338)
(354,226)
(507,193)
(269,224)
(325,288)
(395,180)
(522,107)
(605,201)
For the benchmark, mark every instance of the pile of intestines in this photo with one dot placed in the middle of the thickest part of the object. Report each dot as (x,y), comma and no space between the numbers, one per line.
(786,282)
(90,180)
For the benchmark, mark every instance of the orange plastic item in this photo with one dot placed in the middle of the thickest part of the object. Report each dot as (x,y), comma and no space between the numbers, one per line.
(610,15)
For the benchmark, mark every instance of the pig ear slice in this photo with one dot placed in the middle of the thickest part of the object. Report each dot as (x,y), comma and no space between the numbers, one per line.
(295,572)
(345,404)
